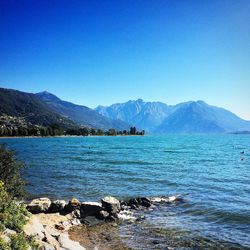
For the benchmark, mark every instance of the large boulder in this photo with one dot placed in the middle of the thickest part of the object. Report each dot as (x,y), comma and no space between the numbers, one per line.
(34,227)
(90,208)
(111,204)
(57,206)
(145,202)
(73,205)
(40,205)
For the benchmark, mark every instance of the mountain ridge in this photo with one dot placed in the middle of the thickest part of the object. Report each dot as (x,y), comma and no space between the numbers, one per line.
(45,109)
(30,108)
(185,117)
(81,114)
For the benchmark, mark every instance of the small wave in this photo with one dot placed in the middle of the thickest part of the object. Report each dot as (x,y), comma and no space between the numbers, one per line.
(176,151)
(212,214)
(117,162)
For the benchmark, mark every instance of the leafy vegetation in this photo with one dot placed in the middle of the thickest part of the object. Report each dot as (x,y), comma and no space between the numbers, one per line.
(56,130)
(12,215)
(110,132)
(10,173)
(52,130)
(23,242)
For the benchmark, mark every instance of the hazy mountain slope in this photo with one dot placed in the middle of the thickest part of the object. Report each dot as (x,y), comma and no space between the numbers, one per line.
(199,117)
(146,115)
(81,114)
(30,107)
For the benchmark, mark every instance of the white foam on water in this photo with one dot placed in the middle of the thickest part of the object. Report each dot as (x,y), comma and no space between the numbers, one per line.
(126,215)
(164,199)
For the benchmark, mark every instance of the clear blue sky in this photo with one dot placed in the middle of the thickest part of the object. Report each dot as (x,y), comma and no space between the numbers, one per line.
(102,52)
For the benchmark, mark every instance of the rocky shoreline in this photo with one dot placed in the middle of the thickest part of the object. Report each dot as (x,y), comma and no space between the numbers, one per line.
(52,221)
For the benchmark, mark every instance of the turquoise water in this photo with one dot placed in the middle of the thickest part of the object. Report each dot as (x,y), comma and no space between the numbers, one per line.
(211,168)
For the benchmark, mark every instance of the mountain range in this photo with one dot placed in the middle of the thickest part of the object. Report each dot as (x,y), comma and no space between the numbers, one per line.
(187,117)
(45,109)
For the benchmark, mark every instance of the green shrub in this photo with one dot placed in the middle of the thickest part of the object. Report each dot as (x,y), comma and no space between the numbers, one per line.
(10,173)
(4,245)
(21,241)
(12,216)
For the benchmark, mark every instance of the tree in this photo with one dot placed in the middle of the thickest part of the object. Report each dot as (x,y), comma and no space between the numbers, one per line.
(112,132)
(93,131)
(132,130)
(100,132)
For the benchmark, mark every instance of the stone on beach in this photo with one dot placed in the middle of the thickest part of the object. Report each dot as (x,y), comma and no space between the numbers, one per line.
(34,227)
(111,204)
(44,228)
(145,202)
(73,205)
(57,206)
(39,205)
(102,215)
(112,217)
(135,203)
(90,208)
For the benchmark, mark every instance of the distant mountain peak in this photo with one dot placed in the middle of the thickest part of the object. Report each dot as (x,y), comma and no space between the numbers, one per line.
(47,95)
(136,101)
(45,92)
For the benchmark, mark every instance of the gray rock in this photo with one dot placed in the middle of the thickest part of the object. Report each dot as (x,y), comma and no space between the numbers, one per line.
(90,208)
(133,202)
(75,222)
(73,205)
(111,204)
(76,214)
(40,205)
(46,246)
(8,231)
(112,218)
(34,227)
(139,202)
(57,206)
(145,202)
(102,215)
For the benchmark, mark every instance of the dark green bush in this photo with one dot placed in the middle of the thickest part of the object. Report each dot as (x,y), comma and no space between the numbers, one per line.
(10,173)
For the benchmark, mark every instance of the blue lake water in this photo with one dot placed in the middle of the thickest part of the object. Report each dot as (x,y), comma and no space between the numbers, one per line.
(211,168)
